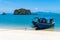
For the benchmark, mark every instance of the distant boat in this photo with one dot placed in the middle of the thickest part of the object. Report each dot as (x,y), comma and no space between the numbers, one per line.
(3,13)
(42,23)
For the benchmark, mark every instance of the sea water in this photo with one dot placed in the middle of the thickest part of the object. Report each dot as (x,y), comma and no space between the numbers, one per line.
(25,21)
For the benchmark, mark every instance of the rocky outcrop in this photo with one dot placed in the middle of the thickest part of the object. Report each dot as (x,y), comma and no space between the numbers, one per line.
(22,12)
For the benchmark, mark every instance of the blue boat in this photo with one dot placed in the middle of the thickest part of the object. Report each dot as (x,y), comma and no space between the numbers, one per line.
(42,23)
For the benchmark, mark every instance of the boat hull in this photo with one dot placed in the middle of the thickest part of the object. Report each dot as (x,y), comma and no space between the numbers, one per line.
(41,26)
(44,26)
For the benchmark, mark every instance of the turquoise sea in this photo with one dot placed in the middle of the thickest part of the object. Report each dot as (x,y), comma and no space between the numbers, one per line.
(22,21)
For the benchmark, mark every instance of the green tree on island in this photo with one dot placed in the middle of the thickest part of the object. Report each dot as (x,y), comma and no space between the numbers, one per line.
(22,12)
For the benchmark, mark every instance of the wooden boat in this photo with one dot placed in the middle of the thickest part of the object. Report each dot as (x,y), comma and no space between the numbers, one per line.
(43,24)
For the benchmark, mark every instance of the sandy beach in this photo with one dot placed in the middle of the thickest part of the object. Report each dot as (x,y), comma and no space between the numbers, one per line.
(9,34)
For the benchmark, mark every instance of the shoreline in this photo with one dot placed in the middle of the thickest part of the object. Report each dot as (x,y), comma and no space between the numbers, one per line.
(6,29)
(3,28)
(22,28)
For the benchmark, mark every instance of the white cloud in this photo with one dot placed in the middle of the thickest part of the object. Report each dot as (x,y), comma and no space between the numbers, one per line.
(36,8)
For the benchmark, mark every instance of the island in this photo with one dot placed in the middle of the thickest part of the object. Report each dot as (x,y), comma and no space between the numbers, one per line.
(3,13)
(22,11)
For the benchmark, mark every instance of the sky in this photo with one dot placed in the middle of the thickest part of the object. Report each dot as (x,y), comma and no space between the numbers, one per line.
(34,5)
